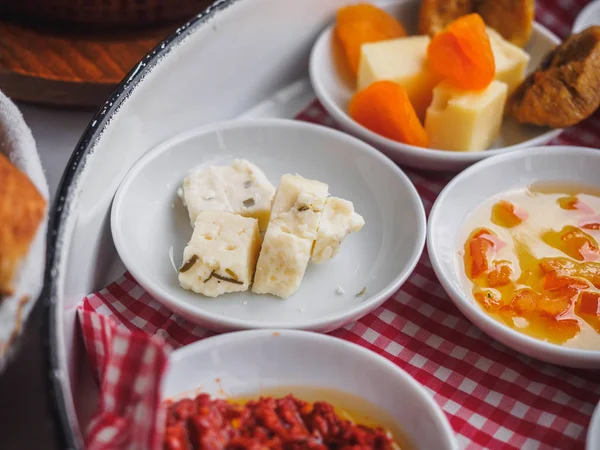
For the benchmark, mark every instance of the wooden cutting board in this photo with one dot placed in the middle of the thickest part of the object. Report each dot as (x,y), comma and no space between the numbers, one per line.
(46,67)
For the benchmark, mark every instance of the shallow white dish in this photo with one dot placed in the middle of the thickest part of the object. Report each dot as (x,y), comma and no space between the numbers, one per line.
(592,441)
(335,89)
(150,226)
(474,186)
(248,362)
(588,16)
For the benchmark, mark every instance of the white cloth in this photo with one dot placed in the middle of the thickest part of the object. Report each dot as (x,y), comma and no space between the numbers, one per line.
(18,144)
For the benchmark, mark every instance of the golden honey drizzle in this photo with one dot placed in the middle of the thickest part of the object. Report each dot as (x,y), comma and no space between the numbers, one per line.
(531,260)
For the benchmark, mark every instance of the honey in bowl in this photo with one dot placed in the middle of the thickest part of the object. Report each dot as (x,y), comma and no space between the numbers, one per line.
(531,260)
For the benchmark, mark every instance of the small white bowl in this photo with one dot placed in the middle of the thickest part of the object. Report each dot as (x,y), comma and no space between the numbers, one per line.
(473,187)
(245,363)
(150,226)
(593,435)
(588,16)
(334,89)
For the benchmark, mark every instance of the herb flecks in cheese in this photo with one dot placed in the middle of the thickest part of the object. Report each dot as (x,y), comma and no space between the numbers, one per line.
(227,279)
(337,221)
(189,264)
(290,236)
(239,188)
(226,247)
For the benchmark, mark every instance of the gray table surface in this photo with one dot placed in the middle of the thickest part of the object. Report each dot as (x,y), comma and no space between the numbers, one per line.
(26,420)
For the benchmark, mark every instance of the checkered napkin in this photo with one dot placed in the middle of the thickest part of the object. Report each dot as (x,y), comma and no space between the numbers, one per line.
(493,396)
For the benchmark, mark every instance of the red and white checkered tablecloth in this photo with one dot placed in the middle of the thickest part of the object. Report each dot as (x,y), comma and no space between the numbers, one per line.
(493,396)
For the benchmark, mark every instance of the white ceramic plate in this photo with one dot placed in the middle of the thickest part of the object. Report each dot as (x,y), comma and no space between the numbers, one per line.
(248,362)
(150,226)
(590,15)
(593,434)
(335,89)
(476,185)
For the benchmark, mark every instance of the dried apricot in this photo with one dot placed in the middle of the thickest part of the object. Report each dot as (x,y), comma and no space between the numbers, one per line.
(366,12)
(588,308)
(358,24)
(573,242)
(589,303)
(507,215)
(568,203)
(478,247)
(499,274)
(524,301)
(384,108)
(554,306)
(488,300)
(572,203)
(553,282)
(589,271)
(563,329)
(591,226)
(462,53)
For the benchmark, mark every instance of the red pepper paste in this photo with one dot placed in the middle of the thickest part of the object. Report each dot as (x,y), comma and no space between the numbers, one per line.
(268,423)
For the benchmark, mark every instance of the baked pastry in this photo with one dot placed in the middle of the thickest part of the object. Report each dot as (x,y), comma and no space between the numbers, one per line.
(21,212)
(513,19)
(565,88)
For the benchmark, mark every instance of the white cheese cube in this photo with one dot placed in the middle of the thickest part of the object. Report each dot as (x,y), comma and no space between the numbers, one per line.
(511,61)
(303,219)
(465,120)
(337,221)
(239,188)
(221,255)
(291,187)
(282,263)
(403,61)
(289,239)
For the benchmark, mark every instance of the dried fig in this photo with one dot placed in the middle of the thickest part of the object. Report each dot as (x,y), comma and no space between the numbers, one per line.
(513,19)
(435,15)
(565,88)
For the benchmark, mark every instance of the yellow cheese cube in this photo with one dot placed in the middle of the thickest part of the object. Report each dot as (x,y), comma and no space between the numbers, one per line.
(511,61)
(403,61)
(465,120)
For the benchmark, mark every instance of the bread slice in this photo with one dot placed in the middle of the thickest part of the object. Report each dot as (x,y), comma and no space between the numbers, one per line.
(21,212)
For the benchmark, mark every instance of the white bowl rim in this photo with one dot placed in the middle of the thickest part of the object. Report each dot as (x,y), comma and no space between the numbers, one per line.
(374,360)
(412,150)
(459,298)
(593,433)
(581,18)
(358,310)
